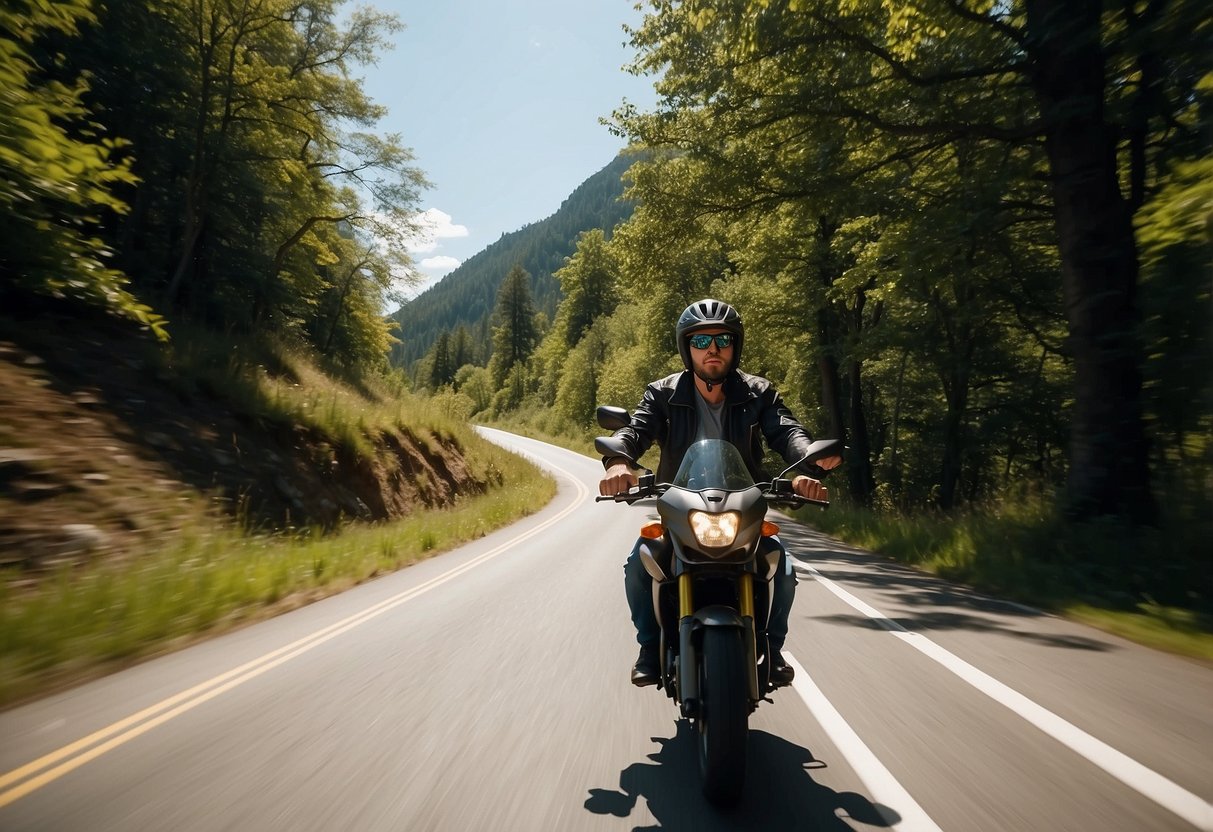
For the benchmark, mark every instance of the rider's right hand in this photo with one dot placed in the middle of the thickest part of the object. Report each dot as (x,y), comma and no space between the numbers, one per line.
(617,480)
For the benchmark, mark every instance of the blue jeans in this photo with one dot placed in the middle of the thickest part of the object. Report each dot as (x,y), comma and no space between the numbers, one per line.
(639,588)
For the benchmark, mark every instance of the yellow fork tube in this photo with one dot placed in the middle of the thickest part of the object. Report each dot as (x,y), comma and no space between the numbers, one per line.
(747,595)
(686,602)
(745,603)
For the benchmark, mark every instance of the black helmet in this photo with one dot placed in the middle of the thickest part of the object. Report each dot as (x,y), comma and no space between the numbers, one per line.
(709,313)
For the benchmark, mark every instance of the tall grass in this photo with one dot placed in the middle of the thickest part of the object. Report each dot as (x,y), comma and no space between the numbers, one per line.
(1151,585)
(213,577)
(216,572)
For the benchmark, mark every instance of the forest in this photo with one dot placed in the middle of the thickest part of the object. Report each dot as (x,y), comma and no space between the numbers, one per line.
(972,238)
(946,248)
(211,162)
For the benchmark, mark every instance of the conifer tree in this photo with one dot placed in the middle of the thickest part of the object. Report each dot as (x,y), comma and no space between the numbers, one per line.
(514,328)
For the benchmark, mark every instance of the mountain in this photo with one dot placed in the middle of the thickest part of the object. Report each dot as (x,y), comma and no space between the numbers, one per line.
(467,295)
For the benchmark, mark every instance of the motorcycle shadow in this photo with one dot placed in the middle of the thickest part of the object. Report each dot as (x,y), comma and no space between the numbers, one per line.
(780,792)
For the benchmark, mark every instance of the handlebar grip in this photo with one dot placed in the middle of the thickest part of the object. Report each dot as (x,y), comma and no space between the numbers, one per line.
(626,497)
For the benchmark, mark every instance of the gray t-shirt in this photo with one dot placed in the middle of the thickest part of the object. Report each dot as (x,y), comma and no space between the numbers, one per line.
(709,418)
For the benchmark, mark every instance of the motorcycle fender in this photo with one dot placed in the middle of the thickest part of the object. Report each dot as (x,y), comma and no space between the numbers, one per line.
(728,617)
(688,660)
(651,556)
(717,616)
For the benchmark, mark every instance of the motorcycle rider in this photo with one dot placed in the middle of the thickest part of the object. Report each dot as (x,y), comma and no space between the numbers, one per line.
(710,399)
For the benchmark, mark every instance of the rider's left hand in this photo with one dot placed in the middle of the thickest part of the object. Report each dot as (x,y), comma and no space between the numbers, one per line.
(811,488)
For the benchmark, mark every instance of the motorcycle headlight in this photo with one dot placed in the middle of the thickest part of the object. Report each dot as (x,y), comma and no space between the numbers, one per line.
(715,531)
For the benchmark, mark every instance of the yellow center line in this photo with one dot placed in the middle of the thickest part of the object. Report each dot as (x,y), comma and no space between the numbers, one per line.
(87,749)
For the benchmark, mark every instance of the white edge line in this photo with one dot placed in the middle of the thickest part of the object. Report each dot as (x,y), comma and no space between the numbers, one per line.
(1163,791)
(894,804)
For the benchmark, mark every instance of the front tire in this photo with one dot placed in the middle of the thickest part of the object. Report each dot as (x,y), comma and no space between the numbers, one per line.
(723,722)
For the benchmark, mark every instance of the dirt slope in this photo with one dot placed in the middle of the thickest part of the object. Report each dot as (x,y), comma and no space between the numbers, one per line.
(100,451)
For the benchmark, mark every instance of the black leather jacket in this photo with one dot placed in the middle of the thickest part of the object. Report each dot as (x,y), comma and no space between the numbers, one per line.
(753,411)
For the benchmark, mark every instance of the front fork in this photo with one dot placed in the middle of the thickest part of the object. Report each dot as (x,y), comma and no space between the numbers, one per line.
(688,660)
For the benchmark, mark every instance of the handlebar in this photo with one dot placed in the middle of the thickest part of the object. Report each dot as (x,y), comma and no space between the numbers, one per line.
(656,490)
(634,494)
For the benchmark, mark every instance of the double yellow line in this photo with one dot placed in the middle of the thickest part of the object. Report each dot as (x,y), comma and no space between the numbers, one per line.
(19,782)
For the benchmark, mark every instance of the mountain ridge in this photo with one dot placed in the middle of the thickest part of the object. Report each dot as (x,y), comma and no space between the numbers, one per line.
(468,294)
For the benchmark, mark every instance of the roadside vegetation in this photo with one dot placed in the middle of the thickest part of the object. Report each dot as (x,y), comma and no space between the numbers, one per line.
(1145,585)
(169,561)
(80,622)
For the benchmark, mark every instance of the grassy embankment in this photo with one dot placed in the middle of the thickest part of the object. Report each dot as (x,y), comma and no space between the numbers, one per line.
(1150,587)
(215,573)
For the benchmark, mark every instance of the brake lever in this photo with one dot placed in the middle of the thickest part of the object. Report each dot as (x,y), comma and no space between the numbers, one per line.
(632,495)
(794,500)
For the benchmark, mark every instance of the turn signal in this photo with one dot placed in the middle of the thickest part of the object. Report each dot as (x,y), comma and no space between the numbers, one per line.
(653,531)
(769,529)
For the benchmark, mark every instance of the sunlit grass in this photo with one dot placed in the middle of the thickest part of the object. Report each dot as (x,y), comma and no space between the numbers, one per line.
(217,573)
(1149,586)
(214,577)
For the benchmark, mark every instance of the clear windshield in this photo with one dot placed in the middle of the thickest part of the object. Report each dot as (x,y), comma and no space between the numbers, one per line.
(713,463)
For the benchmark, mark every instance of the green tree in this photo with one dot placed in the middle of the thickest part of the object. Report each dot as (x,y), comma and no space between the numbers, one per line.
(587,282)
(818,102)
(515,330)
(58,168)
(442,369)
(476,383)
(265,200)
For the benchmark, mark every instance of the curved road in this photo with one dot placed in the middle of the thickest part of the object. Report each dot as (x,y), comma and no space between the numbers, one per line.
(487,689)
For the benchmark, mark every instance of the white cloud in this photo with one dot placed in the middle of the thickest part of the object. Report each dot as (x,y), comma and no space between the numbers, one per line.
(434,225)
(439,263)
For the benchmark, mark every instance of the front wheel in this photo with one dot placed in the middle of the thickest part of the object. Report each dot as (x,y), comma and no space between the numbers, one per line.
(724,715)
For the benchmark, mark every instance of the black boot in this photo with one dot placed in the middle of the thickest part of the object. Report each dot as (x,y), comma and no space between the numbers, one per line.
(781,672)
(646,671)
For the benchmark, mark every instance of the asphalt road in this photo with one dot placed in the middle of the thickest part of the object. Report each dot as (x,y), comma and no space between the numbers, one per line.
(487,689)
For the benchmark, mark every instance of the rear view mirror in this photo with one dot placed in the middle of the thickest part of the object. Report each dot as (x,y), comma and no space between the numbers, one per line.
(610,446)
(613,418)
(820,449)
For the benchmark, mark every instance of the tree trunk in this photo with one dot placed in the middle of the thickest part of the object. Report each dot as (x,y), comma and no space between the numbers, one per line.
(1109,473)
(831,395)
(894,464)
(953,440)
(859,455)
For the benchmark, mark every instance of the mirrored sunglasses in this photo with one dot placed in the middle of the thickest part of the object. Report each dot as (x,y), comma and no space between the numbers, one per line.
(701,341)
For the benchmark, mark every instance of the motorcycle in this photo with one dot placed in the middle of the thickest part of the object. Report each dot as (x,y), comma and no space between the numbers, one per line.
(713,560)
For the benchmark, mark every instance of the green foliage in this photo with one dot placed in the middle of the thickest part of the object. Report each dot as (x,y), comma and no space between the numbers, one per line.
(1144,583)
(260,197)
(215,577)
(59,169)
(577,394)
(1175,232)
(466,296)
(475,383)
(515,328)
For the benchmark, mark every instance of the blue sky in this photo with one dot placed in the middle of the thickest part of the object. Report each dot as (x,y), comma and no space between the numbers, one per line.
(500,103)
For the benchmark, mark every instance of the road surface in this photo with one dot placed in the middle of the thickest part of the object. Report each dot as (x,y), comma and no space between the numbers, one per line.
(486,689)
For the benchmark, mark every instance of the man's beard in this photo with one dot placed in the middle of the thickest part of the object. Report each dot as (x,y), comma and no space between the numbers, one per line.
(714,376)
